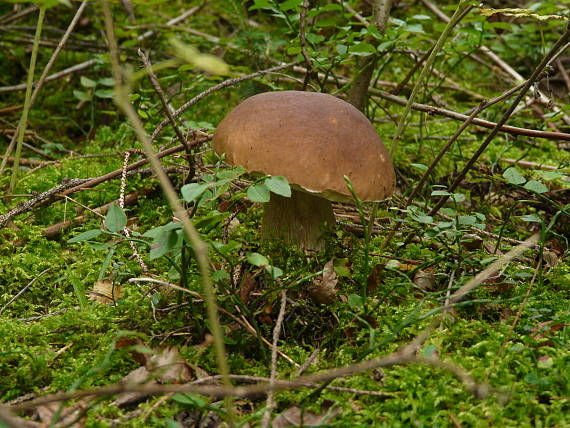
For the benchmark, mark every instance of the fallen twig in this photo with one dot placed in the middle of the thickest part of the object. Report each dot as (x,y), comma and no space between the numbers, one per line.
(276,333)
(214,88)
(406,355)
(79,184)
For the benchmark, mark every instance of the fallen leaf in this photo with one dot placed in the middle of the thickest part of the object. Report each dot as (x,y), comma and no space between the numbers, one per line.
(72,416)
(375,278)
(106,292)
(424,280)
(471,242)
(138,376)
(168,366)
(296,417)
(247,284)
(323,291)
(550,258)
(542,330)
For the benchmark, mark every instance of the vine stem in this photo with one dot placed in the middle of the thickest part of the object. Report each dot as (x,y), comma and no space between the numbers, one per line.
(462,9)
(199,247)
(44,77)
(27,101)
(525,87)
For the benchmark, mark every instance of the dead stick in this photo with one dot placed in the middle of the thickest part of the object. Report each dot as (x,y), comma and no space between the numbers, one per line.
(534,77)
(76,185)
(208,91)
(513,130)
(55,230)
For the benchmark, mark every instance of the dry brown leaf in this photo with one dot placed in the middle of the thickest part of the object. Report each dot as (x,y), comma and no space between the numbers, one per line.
(550,258)
(137,347)
(295,417)
(159,365)
(542,330)
(71,416)
(168,366)
(105,291)
(247,284)
(424,280)
(323,291)
(138,376)
(375,278)
(471,242)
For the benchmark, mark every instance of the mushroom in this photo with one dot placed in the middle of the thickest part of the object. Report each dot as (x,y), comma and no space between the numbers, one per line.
(314,140)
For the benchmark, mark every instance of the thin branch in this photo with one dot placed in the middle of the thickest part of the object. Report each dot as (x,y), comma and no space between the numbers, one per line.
(200,248)
(79,184)
(44,76)
(168,112)
(513,130)
(266,422)
(208,91)
(59,74)
(303,42)
(23,290)
(534,77)
(511,72)
(170,23)
(463,8)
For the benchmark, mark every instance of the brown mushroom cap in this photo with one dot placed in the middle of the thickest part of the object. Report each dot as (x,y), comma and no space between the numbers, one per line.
(313,139)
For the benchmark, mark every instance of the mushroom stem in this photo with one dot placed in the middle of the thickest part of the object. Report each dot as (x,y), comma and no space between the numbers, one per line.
(302,219)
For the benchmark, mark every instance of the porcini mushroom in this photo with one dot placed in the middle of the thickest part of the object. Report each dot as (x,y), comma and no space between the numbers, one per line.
(314,140)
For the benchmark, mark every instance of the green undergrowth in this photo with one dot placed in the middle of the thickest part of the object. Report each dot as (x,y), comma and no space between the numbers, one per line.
(512,332)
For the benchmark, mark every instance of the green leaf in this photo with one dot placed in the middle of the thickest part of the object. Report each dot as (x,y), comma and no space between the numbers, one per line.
(257,259)
(105,93)
(192,191)
(165,242)
(275,272)
(467,219)
(552,175)
(420,166)
(193,400)
(430,351)
(355,301)
(258,193)
(513,176)
(81,95)
(106,81)
(419,215)
(155,232)
(536,186)
(87,83)
(85,236)
(413,28)
(384,46)
(116,219)
(458,197)
(226,249)
(341,49)
(279,185)
(211,220)
(362,49)
(440,193)
(219,275)
(230,174)
(531,218)
(314,38)
(209,63)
